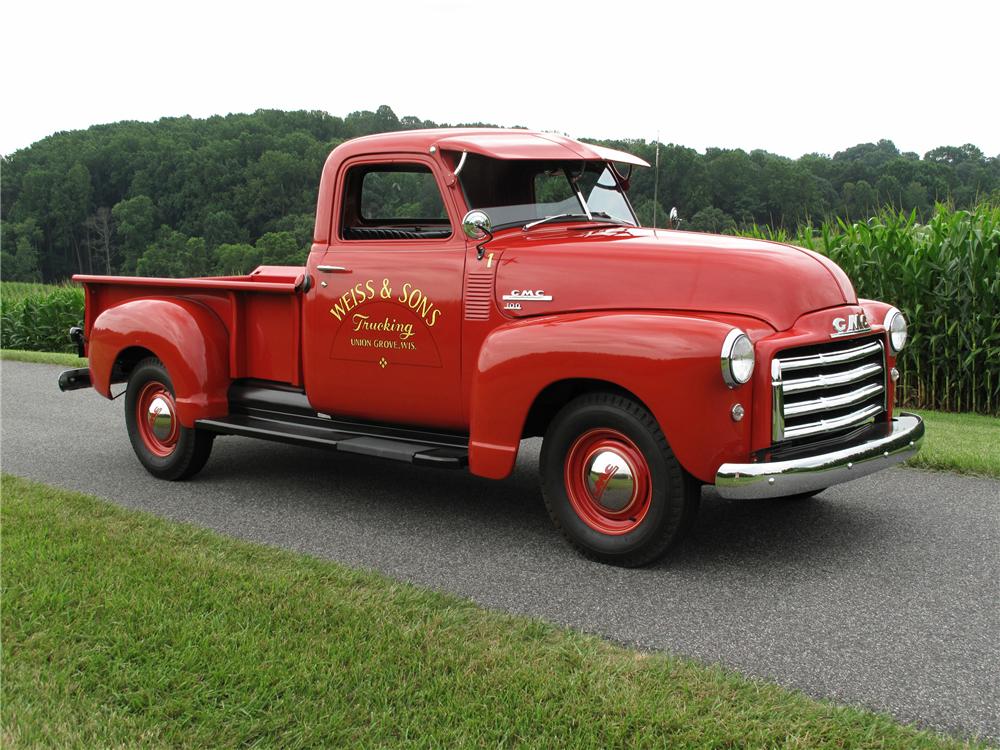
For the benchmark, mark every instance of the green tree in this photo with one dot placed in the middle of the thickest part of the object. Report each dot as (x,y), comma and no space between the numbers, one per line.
(135,223)
(734,181)
(25,262)
(914,196)
(280,249)
(644,212)
(300,225)
(713,220)
(175,255)
(70,206)
(860,200)
(221,227)
(21,263)
(889,191)
(6,264)
(236,259)
(197,260)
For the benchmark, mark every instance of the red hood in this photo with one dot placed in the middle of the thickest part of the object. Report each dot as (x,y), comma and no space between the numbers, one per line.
(627,268)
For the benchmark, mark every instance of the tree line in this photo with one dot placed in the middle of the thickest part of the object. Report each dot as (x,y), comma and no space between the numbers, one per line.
(184,196)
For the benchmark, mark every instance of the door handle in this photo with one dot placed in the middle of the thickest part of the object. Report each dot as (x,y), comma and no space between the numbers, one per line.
(333,269)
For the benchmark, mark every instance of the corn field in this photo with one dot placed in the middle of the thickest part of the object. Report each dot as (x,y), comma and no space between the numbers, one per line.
(945,277)
(37,317)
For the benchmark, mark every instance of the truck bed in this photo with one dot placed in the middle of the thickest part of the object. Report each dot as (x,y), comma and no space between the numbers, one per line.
(261,311)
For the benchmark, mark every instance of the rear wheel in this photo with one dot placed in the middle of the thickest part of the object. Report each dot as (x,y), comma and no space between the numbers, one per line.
(166,448)
(611,483)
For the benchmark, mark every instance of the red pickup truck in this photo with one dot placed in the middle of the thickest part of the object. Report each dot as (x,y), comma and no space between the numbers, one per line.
(470,288)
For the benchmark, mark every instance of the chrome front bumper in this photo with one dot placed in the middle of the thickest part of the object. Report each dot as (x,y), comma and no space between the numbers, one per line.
(811,473)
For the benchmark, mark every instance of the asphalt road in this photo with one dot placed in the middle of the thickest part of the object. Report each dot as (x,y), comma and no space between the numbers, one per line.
(882,593)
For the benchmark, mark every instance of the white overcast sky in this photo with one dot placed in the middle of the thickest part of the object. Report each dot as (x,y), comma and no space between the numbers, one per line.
(789,77)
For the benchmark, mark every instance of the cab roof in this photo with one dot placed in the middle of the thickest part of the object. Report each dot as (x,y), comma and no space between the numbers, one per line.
(498,143)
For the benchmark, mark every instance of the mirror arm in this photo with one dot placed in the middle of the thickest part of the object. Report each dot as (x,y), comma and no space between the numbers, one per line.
(481,247)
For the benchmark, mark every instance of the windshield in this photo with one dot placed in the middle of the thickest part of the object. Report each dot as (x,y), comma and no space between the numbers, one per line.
(518,192)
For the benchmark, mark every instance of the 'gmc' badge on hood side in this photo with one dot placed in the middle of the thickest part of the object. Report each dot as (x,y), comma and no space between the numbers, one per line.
(530,295)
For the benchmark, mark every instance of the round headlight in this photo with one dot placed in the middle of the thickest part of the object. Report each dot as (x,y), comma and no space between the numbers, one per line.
(895,324)
(737,358)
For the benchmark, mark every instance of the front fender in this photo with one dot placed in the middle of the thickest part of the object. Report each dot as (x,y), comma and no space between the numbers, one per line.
(188,338)
(876,311)
(670,362)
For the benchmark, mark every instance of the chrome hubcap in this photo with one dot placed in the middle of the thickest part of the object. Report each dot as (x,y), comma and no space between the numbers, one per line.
(159,418)
(610,479)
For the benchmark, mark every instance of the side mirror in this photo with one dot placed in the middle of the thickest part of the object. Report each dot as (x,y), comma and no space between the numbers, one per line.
(477,225)
(675,219)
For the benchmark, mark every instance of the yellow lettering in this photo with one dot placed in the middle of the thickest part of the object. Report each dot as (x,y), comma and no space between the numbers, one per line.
(402,297)
(434,316)
(359,321)
(370,286)
(362,323)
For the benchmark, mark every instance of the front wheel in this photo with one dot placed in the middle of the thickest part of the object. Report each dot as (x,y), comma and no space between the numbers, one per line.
(611,483)
(166,448)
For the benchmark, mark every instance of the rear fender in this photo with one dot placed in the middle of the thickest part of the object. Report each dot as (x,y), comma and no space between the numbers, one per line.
(187,337)
(670,362)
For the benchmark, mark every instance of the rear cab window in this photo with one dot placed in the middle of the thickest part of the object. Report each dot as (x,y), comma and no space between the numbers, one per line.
(393,201)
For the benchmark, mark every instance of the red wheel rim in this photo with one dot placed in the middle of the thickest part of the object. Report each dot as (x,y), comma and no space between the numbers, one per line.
(156,416)
(607,481)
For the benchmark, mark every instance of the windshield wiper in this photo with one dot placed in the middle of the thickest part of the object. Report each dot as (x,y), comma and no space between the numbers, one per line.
(547,219)
(596,217)
(609,218)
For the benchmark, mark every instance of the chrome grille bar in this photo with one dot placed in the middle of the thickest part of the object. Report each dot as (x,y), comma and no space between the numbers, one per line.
(830,358)
(828,381)
(829,425)
(826,403)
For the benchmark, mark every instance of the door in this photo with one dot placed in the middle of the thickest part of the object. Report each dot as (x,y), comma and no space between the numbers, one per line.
(382,333)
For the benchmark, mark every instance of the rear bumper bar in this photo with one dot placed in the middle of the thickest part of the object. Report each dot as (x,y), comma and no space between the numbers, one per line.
(72,380)
(811,473)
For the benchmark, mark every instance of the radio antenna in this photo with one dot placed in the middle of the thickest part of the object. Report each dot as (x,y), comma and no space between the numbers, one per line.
(656,179)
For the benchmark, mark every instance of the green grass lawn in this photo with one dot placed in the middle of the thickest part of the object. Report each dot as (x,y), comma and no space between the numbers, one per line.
(967,443)
(48,358)
(123,630)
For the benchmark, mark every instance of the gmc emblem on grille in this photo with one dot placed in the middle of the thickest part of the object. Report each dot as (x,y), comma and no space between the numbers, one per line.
(851,324)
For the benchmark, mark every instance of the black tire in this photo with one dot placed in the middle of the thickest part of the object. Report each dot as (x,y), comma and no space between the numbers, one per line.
(672,499)
(181,453)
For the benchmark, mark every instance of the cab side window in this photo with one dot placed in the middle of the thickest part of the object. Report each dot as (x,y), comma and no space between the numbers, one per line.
(393,202)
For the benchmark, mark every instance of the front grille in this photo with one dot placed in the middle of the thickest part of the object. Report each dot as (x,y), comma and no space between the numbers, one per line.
(824,389)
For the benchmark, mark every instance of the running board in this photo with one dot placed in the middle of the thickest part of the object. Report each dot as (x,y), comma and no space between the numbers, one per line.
(346,437)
